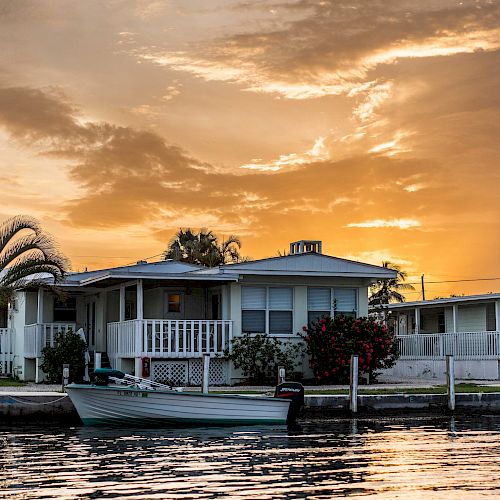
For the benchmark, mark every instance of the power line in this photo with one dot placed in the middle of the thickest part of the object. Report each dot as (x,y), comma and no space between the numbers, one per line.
(455,281)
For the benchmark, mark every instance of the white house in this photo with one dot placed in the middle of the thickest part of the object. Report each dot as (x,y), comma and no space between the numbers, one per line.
(466,327)
(172,312)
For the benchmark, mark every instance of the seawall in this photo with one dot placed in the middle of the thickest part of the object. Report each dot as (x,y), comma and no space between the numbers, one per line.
(18,407)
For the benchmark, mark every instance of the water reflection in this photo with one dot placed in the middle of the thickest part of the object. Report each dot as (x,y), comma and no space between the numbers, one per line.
(389,458)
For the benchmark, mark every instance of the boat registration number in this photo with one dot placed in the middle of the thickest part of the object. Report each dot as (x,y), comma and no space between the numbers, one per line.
(132,394)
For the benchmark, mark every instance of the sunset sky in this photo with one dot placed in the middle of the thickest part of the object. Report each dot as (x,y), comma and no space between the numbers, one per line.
(371,125)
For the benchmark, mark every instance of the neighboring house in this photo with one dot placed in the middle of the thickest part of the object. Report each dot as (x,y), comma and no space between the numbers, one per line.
(173,312)
(466,327)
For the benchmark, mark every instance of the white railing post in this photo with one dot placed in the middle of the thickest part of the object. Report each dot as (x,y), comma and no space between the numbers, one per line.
(140,341)
(97,360)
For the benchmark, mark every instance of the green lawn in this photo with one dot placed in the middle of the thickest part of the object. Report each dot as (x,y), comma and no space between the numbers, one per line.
(10,382)
(413,390)
(441,389)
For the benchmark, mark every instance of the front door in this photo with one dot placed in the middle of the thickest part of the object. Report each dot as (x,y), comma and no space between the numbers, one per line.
(216,306)
(90,324)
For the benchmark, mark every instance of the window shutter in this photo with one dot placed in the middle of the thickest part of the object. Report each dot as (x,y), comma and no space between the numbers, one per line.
(253,297)
(253,321)
(318,299)
(280,322)
(280,299)
(315,316)
(345,299)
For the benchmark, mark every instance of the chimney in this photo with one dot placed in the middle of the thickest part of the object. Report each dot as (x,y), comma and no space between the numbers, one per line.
(305,246)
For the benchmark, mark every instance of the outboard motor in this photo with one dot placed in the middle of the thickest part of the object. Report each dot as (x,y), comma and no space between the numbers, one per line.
(295,392)
(100,376)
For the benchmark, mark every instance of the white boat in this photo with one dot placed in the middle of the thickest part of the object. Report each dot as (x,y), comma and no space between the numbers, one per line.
(134,401)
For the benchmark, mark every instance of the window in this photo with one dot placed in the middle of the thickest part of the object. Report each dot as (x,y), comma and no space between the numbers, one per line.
(331,301)
(267,310)
(65,310)
(280,311)
(253,309)
(174,302)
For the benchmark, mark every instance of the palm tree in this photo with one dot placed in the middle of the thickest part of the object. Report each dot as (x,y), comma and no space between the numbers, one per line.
(203,248)
(388,291)
(26,255)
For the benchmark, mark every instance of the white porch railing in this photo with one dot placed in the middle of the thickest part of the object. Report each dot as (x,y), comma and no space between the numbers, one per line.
(462,345)
(40,335)
(6,350)
(163,338)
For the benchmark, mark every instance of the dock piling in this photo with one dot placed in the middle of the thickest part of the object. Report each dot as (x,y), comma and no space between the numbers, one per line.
(206,370)
(353,386)
(450,381)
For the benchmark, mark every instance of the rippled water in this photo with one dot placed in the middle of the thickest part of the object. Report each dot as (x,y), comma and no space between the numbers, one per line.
(388,458)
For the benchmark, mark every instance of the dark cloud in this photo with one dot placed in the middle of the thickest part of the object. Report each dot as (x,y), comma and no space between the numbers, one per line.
(335,39)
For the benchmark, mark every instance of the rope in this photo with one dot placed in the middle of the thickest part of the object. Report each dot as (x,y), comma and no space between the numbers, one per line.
(35,403)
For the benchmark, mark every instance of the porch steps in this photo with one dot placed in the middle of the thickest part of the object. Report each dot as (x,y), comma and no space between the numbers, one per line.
(105,363)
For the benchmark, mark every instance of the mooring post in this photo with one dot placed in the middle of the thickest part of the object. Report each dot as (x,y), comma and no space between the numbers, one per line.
(206,370)
(97,360)
(353,386)
(281,374)
(450,381)
(65,376)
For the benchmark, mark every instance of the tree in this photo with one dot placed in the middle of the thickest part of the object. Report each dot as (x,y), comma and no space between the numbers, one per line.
(388,291)
(203,248)
(27,254)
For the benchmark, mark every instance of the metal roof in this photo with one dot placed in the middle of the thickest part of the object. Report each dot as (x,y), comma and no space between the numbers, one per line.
(448,300)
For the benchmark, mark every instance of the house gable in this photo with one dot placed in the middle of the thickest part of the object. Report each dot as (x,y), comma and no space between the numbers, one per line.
(308,264)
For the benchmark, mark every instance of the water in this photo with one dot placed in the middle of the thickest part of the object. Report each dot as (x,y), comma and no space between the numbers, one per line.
(387,458)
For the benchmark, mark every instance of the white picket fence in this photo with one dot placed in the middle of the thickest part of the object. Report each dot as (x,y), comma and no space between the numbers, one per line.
(6,350)
(163,338)
(462,345)
(40,335)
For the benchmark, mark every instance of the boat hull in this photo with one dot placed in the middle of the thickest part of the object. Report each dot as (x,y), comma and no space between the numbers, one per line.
(129,406)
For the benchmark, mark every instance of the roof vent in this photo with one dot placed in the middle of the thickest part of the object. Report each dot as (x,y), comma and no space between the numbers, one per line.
(139,262)
(305,246)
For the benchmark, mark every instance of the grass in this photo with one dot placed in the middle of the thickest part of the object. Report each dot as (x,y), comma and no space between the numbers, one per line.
(10,382)
(440,389)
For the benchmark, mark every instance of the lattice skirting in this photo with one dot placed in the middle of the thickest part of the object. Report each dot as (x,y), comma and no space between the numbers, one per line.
(5,367)
(189,371)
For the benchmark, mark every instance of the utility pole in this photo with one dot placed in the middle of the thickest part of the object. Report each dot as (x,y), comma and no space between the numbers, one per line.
(423,287)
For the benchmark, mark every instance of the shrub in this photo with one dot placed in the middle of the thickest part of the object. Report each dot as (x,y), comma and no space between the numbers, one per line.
(259,355)
(332,341)
(69,348)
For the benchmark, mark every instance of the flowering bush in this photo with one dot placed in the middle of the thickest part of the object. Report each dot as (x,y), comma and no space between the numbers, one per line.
(332,341)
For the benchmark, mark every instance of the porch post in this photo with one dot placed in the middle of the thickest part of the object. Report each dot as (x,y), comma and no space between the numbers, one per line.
(497,315)
(140,300)
(39,311)
(455,318)
(122,303)
(417,320)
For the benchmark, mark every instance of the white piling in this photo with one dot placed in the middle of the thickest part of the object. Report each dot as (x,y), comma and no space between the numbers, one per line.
(281,374)
(353,386)
(65,375)
(450,381)
(206,371)
(97,360)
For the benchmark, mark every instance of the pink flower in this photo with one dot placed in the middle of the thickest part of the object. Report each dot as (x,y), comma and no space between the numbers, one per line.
(304,328)
(323,328)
